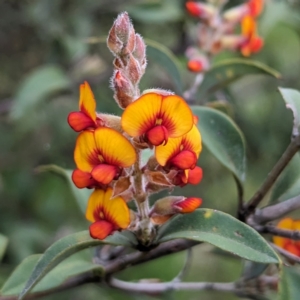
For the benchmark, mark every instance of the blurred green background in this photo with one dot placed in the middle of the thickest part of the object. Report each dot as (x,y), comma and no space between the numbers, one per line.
(48,41)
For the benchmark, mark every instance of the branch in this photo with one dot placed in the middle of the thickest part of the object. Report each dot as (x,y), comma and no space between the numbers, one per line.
(161,287)
(285,253)
(276,211)
(291,234)
(290,151)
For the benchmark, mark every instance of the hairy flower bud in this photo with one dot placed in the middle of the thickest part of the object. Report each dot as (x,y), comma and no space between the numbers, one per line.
(235,14)
(140,50)
(134,70)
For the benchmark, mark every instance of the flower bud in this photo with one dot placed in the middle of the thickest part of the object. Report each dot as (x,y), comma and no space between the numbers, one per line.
(114,44)
(200,10)
(134,70)
(110,121)
(235,14)
(158,91)
(123,27)
(232,42)
(140,50)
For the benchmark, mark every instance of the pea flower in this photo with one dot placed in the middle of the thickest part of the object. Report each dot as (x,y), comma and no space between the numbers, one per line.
(100,156)
(286,243)
(106,214)
(86,117)
(156,117)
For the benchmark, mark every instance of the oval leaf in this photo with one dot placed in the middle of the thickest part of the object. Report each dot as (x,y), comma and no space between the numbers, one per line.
(77,264)
(67,246)
(3,245)
(220,230)
(288,184)
(289,288)
(223,139)
(165,58)
(81,195)
(292,100)
(228,71)
(36,87)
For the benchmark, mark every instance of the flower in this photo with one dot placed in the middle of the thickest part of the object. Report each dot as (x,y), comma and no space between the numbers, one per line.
(106,214)
(252,42)
(86,116)
(157,117)
(200,10)
(100,156)
(285,243)
(255,7)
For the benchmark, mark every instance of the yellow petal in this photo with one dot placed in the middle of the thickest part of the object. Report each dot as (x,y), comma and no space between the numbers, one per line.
(87,103)
(192,141)
(85,154)
(116,210)
(114,147)
(141,115)
(164,153)
(286,223)
(95,202)
(177,116)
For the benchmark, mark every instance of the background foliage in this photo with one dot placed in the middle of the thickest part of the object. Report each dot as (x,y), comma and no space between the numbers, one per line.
(49,41)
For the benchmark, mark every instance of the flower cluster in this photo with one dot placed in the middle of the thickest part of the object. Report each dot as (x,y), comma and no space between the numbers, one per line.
(285,243)
(109,149)
(216,31)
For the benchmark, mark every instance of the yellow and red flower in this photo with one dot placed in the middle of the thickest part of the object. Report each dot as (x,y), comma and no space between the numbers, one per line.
(156,117)
(255,7)
(106,214)
(286,243)
(252,42)
(100,156)
(86,117)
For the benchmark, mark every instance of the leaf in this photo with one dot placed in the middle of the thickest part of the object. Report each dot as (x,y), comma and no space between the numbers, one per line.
(288,184)
(67,246)
(166,59)
(289,288)
(3,245)
(160,11)
(220,230)
(77,264)
(253,270)
(223,73)
(223,139)
(292,100)
(81,195)
(36,87)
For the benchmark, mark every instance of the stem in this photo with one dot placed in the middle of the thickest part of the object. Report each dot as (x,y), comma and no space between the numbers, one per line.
(290,151)
(285,253)
(291,234)
(154,288)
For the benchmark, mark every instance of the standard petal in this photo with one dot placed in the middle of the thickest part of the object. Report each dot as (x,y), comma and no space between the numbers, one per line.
(95,205)
(192,141)
(79,121)
(104,173)
(142,114)
(176,115)
(165,152)
(87,103)
(114,147)
(101,229)
(83,179)
(286,223)
(85,154)
(116,210)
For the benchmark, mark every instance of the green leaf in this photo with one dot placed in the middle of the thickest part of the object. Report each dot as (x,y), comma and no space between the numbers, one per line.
(157,11)
(3,245)
(166,59)
(292,101)
(289,288)
(81,195)
(288,184)
(67,246)
(36,87)
(223,139)
(220,230)
(223,73)
(77,264)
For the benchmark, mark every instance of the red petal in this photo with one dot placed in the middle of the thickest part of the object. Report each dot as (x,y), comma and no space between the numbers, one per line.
(195,65)
(188,205)
(184,160)
(290,247)
(195,175)
(193,8)
(83,179)
(101,229)
(80,121)
(157,135)
(105,173)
